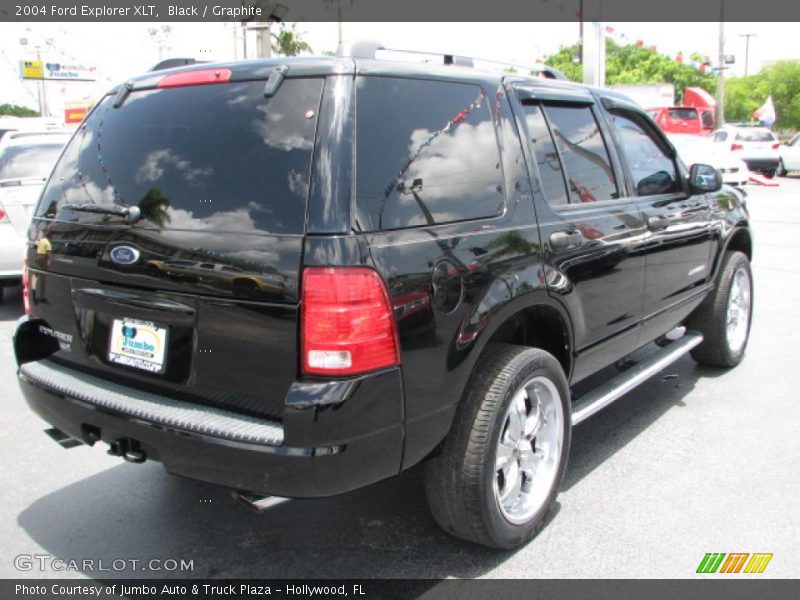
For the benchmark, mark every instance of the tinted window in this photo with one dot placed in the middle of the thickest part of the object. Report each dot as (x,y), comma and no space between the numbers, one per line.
(708,119)
(590,177)
(683,113)
(720,136)
(652,169)
(794,140)
(754,136)
(426,153)
(219,157)
(546,157)
(21,162)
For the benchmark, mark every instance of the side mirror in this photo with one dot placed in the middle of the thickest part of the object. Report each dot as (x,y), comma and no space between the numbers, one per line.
(704,178)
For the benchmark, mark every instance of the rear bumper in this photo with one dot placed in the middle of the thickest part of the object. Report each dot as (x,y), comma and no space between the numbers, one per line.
(761,164)
(335,436)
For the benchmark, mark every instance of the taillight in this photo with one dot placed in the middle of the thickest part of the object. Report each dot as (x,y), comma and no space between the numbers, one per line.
(26,287)
(775,146)
(735,147)
(200,77)
(3,216)
(347,325)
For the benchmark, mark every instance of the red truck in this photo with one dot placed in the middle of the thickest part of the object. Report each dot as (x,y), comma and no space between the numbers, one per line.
(694,116)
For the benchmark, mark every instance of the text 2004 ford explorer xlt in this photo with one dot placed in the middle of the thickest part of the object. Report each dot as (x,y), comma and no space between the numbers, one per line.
(298,277)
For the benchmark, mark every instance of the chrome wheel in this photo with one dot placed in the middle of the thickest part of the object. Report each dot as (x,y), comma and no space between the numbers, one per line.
(528,450)
(738,313)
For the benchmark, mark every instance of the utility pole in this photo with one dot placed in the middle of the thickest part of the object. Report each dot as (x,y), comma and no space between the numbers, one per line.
(747,37)
(43,110)
(593,48)
(338,4)
(719,116)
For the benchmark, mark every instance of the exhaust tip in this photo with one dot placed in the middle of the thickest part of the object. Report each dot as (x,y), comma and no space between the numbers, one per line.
(257,503)
(62,439)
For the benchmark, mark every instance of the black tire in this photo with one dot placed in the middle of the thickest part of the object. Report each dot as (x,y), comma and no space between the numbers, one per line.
(781,170)
(460,481)
(710,319)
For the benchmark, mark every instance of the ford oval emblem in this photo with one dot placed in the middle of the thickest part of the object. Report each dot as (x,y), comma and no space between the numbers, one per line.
(124,255)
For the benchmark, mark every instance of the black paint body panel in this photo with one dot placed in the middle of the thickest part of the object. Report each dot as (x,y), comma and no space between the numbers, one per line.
(452,285)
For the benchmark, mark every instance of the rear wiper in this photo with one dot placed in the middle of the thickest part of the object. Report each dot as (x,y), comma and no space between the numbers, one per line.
(131,213)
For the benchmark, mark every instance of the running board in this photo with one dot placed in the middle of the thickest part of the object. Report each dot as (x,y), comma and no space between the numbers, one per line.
(623,383)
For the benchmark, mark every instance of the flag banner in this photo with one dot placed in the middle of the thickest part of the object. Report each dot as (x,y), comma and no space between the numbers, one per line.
(766,114)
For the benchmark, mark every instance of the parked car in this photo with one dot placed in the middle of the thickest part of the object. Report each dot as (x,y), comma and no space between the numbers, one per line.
(757,146)
(459,251)
(10,124)
(678,119)
(25,163)
(59,135)
(789,156)
(695,149)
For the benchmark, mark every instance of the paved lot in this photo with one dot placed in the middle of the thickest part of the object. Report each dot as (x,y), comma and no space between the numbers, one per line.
(705,462)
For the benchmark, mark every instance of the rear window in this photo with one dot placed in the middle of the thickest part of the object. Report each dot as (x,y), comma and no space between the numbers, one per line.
(754,136)
(22,162)
(219,157)
(427,153)
(687,114)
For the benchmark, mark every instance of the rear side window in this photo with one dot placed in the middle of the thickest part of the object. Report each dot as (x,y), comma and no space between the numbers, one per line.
(219,157)
(754,136)
(590,177)
(21,162)
(427,153)
(652,169)
(546,156)
(688,114)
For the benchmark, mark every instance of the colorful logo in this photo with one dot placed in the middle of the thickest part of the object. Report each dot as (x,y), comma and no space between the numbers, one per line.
(735,562)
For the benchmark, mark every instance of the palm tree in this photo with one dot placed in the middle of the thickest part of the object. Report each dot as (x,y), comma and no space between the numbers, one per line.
(288,41)
(154,207)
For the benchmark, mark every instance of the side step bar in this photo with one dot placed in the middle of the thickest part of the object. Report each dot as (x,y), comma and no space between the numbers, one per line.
(623,383)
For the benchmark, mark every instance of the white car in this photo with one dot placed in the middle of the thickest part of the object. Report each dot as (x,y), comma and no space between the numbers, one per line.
(25,165)
(757,146)
(697,149)
(11,124)
(790,156)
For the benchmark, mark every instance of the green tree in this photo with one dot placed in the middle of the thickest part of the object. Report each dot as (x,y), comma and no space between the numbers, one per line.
(634,64)
(287,41)
(781,80)
(17,111)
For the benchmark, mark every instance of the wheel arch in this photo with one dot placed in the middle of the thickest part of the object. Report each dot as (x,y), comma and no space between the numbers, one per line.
(534,319)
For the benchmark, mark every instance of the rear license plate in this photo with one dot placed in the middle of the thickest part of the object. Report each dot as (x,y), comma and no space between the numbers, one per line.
(138,344)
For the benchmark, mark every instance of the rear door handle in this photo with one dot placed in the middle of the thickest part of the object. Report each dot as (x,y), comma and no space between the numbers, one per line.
(658,223)
(562,240)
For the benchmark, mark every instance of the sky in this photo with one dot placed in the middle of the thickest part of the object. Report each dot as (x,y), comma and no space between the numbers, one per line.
(121,50)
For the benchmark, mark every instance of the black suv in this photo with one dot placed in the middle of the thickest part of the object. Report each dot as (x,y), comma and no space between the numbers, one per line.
(298,277)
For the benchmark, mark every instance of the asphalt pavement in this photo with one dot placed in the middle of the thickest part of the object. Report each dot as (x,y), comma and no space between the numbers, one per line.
(694,461)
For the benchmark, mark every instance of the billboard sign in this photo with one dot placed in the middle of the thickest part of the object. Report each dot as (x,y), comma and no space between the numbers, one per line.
(53,71)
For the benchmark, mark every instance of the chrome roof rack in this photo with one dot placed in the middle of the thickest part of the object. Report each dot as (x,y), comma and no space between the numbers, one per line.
(369,49)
